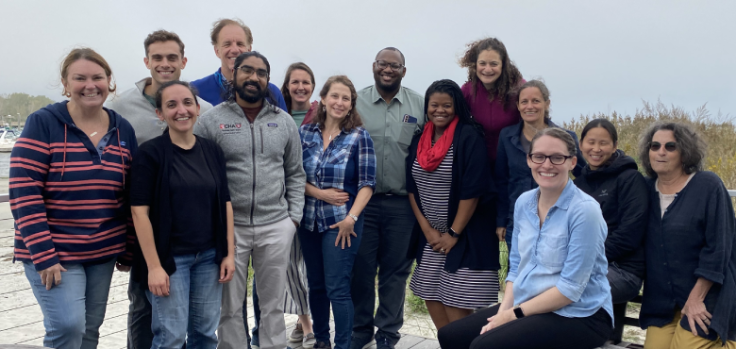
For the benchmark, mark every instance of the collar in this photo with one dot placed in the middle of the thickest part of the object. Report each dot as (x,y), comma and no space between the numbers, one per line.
(141,84)
(376,97)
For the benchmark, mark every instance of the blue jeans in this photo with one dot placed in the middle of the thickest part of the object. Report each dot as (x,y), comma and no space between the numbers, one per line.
(329,269)
(389,221)
(191,312)
(73,311)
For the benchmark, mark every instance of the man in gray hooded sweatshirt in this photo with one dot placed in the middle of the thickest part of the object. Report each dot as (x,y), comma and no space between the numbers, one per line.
(266,179)
(165,59)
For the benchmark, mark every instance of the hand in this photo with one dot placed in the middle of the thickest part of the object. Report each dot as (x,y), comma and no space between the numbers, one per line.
(346,230)
(334,197)
(122,267)
(501,318)
(227,269)
(158,282)
(501,233)
(696,314)
(433,237)
(446,244)
(51,276)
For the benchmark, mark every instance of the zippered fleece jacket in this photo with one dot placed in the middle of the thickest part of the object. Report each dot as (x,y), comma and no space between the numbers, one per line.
(264,162)
(134,107)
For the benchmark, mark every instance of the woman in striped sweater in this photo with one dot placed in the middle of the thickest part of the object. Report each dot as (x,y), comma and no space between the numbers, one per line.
(68,181)
(453,198)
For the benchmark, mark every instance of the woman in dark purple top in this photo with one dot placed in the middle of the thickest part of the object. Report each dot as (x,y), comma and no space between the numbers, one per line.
(490,90)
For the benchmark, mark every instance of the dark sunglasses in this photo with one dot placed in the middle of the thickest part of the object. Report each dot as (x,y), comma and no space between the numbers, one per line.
(669,146)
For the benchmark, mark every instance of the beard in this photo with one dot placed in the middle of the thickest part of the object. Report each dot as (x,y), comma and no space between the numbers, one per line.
(250,96)
(392,86)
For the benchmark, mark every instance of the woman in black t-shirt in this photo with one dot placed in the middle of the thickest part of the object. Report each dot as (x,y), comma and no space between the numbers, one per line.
(184,222)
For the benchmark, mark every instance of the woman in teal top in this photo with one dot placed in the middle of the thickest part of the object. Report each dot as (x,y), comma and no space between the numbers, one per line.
(557,285)
(297,89)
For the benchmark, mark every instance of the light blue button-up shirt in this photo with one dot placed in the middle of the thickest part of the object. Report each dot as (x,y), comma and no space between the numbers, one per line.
(567,252)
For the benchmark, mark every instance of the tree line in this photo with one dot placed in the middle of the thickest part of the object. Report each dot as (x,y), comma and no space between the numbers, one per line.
(15,107)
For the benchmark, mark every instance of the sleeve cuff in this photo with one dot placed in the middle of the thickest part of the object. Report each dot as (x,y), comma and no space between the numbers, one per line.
(511,277)
(570,289)
(710,275)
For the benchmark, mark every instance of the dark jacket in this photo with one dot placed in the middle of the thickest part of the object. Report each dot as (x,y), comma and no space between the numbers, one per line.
(513,176)
(622,192)
(477,246)
(694,239)
(150,177)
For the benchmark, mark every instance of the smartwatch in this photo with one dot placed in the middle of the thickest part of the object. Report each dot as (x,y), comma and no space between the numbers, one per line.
(453,233)
(518,312)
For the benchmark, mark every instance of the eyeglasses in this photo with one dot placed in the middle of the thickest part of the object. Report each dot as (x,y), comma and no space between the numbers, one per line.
(554,159)
(394,66)
(248,71)
(669,146)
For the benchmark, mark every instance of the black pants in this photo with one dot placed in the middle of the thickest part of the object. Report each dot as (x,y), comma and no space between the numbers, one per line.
(536,331)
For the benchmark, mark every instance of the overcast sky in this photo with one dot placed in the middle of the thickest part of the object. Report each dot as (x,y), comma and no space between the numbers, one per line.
(595,56)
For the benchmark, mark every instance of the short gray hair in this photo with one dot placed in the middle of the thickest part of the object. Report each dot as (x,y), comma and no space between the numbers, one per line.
(692,147)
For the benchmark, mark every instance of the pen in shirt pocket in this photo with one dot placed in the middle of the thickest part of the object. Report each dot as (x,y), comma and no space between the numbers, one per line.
(409,119)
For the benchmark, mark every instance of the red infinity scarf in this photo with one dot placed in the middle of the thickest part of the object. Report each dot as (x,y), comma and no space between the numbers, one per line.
(428,156)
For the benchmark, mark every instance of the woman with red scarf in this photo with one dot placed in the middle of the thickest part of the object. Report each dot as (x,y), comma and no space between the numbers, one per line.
(453,198)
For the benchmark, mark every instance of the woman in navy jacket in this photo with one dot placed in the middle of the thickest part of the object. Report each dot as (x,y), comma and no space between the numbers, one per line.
(453,199)
(512,172)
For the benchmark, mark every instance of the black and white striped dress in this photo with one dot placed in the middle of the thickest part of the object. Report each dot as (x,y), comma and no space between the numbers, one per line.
(465,288)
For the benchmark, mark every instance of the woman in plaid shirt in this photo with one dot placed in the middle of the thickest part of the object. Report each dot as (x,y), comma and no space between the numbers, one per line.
(340,164)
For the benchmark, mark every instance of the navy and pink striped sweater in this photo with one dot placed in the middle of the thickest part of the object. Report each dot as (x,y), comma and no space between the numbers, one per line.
(68,198)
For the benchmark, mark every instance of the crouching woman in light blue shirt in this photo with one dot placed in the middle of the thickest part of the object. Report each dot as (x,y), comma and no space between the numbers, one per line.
(557,293)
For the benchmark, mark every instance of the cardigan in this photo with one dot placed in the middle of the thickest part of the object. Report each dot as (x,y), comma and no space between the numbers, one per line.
(68,196)
(477,245)
(512,173)
(695,238)
(150,187)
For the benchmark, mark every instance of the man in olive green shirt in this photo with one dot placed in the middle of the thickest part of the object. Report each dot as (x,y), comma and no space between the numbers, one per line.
(391,114)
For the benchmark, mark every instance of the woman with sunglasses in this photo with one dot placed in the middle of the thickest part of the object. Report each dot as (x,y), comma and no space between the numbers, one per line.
(557,286)
(613,179)
(690,290)
(512,171)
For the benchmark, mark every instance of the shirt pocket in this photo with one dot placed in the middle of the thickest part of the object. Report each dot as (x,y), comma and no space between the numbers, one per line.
(407,133)
(552,249)
(339,156)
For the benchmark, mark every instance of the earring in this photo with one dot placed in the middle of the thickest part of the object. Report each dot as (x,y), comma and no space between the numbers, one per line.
(324,109)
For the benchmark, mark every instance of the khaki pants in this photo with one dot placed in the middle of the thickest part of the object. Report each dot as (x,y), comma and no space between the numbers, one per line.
(673,336)
(269,245)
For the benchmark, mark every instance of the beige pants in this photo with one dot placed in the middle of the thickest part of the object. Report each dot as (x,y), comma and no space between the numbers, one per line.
(269,245)
(673,336)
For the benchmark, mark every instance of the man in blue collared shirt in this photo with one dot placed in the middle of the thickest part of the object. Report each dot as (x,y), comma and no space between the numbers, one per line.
(392,114)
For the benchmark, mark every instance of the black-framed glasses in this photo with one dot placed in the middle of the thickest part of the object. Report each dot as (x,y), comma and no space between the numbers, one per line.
(394,66)
(669,146)
(555,159)
(248,71)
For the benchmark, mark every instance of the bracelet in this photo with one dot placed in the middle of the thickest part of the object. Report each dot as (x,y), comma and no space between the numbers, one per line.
(453,233)
(354,217)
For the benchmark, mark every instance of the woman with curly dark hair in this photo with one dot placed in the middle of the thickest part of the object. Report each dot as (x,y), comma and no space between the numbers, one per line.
(447,179)
(491,89)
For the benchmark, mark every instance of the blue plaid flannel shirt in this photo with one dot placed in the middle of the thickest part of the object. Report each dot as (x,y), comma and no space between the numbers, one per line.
(326,169)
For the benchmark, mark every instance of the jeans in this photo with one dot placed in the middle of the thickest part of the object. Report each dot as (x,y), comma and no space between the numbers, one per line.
(256,315)
(191,312)
(388,222)
(73,311)
(329,269)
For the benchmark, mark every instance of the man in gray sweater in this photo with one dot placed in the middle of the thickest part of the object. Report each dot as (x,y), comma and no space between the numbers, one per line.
(266,180)
(165,59)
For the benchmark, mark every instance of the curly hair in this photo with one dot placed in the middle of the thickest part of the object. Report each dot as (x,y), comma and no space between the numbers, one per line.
(352,120)
(510,78)
(287,77)
(462,110)
(691,146)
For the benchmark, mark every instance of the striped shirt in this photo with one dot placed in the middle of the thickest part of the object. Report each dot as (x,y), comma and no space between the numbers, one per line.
(348,164)
(434,190)
(68,196)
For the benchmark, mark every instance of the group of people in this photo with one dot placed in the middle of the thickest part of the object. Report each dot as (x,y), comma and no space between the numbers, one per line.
(184,184)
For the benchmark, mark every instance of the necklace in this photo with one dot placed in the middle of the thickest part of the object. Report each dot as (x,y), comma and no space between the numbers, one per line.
(101,122)
(331,134)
